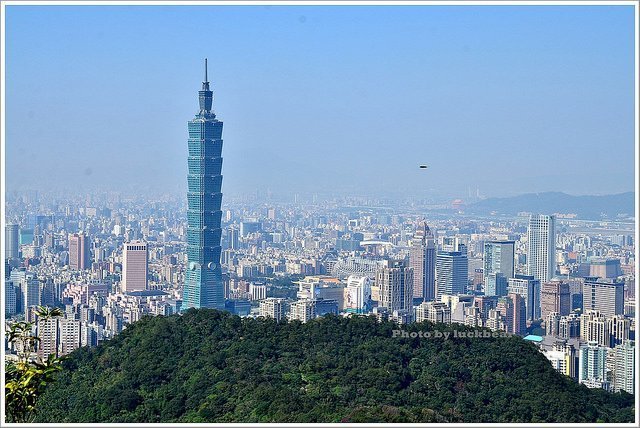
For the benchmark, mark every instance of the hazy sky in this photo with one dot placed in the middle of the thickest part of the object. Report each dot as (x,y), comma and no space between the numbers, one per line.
(511,99)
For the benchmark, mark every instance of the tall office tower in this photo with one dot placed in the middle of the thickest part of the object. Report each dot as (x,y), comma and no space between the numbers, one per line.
(203,287)
(624,374)
(135,265)
(31,291)
(495,284)
(234,238)
(11,246)
(272,307)
(498,258)
(541,247)
(529,288)
(592,366)
(10,298)
(555,297)
(452,273)
(422,258)
(79,251)
(395,281)
(513,312)
(604,295)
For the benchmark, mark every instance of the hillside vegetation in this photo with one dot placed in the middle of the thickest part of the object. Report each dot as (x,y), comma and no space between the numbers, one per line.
(210,366)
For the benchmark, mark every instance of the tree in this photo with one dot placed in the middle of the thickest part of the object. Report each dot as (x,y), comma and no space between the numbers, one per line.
(27,378)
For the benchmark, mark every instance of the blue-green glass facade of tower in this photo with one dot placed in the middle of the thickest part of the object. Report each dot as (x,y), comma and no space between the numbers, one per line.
(203,281)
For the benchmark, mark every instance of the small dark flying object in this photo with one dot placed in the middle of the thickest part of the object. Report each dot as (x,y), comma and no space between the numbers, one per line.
(423,167)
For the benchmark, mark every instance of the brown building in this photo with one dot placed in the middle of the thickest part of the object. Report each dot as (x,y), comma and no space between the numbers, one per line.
(554,297)
(79,251)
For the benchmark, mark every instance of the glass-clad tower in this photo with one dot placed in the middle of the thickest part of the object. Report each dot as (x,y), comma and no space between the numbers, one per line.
(203,282)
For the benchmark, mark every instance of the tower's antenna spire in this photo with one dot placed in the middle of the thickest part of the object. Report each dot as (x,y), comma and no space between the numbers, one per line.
(205,70)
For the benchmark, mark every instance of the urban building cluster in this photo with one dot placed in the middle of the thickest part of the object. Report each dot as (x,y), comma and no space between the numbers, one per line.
(566,284)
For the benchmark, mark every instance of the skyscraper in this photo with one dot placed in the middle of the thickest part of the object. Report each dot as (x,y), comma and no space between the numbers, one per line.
(79,251)
(11,244)
(422,259)
(495,284)
(529,289)
(541,247)
(135,264)
(498,258)
(203,287)
(452,269)
(555,297)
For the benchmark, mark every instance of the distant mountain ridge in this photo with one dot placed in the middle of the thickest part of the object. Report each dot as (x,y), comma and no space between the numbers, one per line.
(585,207)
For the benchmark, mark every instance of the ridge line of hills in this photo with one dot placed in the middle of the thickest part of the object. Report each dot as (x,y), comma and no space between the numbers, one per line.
(211,366)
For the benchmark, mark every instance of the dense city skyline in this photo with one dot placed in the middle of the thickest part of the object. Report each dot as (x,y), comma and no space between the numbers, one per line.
(428,214)
(477,93)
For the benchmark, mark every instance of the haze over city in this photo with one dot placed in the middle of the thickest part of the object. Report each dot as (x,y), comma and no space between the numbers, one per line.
(504,99)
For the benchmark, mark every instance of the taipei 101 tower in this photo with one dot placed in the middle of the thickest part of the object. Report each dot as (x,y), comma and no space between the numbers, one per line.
(203,281)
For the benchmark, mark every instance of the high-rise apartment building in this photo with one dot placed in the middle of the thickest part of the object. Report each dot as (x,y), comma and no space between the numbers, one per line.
(436,312)
(563,358)
(624,367)
(541,247)
(594,328)
(272,307)
(604,295)
(49,337)
(203,285)
(11,246)
(135,266)
(592,366)
(395,281)
(79,251)
(422,258)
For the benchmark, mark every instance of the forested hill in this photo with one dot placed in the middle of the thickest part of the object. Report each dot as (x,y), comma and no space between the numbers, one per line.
(210,366)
